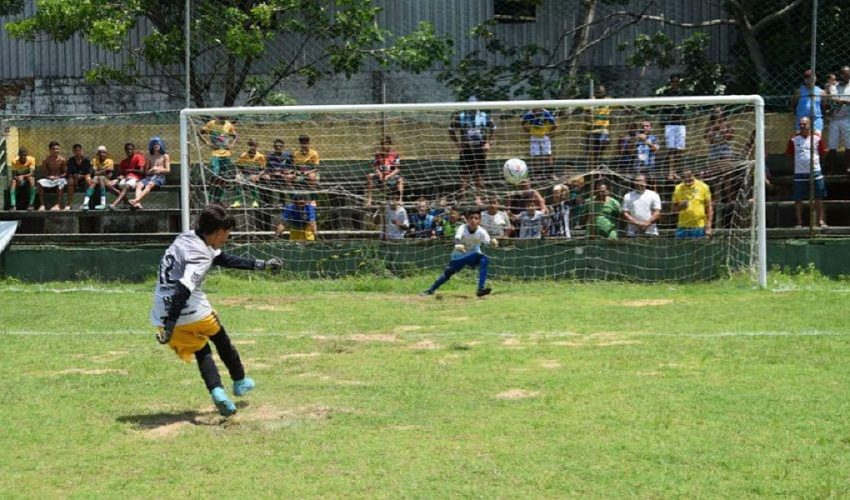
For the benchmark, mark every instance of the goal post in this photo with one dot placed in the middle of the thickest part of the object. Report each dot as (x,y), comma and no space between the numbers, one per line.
(587,149)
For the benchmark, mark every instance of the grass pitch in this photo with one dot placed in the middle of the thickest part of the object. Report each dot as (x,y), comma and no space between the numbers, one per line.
(543,389)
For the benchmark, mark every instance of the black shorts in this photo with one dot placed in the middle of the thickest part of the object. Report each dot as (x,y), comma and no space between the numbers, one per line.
(473,160)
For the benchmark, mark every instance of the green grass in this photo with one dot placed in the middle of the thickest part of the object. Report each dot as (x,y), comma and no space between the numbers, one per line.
(544,389)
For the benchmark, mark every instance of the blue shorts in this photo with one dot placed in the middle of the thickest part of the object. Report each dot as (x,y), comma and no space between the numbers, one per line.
(801,187)
(157,180)
(471,259)
(690,232)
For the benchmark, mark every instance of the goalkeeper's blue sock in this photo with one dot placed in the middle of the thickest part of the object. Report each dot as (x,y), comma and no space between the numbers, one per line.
(482,272)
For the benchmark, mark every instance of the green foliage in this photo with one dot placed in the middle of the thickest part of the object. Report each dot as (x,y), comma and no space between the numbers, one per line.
(647,50)
(700,77)
(337,36)
(11,7)
(529,70)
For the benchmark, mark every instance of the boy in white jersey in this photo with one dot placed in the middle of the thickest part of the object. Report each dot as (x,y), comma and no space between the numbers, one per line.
(181,311)
(467,252)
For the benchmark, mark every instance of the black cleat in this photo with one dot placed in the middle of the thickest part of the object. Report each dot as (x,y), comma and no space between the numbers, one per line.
(482,292)
(426,292)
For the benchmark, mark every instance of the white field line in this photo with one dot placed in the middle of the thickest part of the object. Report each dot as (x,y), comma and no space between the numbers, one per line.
(442,334)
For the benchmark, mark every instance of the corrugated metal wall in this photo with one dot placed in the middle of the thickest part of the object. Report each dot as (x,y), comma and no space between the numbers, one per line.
(45,59)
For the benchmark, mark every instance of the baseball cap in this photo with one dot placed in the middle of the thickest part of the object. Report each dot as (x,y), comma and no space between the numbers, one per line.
(101,148)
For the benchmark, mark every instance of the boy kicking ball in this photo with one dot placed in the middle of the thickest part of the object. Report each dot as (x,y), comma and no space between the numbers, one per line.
(467,252)
(181,311)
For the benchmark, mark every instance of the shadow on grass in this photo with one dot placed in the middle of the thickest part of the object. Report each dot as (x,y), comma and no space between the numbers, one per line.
(150,421)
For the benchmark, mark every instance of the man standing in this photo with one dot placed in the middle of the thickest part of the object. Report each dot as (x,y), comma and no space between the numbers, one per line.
(802,147)
(808,103)
(220,136)
(538,124)
(472,131)
(675,131)
(641,208)
(692,201)
(839,125)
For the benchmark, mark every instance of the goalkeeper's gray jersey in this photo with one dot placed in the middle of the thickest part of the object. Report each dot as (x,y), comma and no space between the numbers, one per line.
(187,261)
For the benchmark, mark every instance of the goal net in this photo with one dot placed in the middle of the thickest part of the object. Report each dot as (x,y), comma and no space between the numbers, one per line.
(634,189)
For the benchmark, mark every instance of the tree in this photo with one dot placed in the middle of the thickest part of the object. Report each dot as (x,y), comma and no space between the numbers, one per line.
(546,72)
(532,70)
(230,38)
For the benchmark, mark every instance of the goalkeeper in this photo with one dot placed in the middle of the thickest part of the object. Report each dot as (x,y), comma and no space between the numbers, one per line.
(181,311)
(467,252)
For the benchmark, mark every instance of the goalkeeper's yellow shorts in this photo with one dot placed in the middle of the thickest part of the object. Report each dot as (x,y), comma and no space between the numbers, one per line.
(190,338)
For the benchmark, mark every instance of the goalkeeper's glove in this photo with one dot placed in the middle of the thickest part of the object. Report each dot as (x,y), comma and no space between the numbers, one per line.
(274,264)
(460,248)
(494,243)
(164,334)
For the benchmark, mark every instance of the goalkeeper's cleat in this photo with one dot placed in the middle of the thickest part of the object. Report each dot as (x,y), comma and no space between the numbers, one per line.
(236,204)
(255,204)
(482,292)
(427,292)
(224,405)
(242,387)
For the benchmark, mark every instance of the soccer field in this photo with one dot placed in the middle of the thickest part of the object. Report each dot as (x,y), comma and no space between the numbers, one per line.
(365,389)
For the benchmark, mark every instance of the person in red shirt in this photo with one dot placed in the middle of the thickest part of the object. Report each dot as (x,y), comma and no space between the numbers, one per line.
(386,165)
(131,171)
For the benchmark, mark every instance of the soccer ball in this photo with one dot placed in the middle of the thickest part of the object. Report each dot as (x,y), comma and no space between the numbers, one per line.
(515,171)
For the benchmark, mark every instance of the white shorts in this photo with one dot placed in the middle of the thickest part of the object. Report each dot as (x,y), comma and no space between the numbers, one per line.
(53,183)
(540,146)
(674,136)
(839,131)
(129,182)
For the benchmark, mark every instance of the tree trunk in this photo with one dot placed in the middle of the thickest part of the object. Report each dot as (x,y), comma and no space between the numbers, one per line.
(582,36)
(753,45)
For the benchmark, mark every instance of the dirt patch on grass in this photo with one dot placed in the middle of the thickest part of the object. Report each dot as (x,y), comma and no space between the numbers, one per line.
(458,319)
(512,342)
(243,342)
(300,355)
(332,380)
(425,345)
(569,343)
(90,371)
(373,337)
(276,417)
(406,328)
(615,342)
(108,356)
(255,364)
(550,364)
(598,339)
(166,431)
(511,394)
(647,302)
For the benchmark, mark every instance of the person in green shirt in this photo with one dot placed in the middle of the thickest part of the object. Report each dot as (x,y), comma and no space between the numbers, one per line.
(603,211)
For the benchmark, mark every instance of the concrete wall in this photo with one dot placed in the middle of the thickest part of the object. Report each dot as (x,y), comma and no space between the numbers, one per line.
(664,260)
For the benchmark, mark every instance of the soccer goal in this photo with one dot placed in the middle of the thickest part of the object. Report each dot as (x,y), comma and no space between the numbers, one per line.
(649,189)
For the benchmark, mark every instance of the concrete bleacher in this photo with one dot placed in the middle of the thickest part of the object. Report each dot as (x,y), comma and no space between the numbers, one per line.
(341,211)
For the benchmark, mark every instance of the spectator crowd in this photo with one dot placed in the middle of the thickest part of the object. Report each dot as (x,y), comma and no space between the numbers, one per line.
(653,164)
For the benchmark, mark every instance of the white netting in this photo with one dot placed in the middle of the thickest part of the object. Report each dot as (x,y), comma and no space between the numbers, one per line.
(285,166)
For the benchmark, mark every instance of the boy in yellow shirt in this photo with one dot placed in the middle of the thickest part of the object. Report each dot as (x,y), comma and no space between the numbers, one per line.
(23,172)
